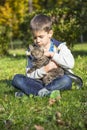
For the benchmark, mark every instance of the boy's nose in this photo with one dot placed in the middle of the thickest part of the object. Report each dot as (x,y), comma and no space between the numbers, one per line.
(38,39)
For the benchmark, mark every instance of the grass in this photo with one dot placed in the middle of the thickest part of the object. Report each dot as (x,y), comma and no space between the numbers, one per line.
(36,113)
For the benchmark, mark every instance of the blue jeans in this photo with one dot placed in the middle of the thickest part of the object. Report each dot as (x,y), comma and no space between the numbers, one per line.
(32,86)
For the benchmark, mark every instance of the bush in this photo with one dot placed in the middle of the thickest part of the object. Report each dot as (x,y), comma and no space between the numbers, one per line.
(66,27)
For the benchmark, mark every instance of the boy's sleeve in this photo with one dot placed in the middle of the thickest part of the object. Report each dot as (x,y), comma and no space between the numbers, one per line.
(64,57)
(37,74)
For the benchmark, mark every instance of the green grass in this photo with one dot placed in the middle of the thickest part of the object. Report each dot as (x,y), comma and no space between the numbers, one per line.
(28,112)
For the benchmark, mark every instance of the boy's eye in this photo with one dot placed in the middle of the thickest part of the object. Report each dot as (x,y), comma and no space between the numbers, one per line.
(39,37)
(34,37)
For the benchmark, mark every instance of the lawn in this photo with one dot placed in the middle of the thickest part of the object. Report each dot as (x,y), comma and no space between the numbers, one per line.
(36,113)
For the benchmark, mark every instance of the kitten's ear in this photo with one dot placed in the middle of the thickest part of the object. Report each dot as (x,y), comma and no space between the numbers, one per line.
(31,47)
(42,49)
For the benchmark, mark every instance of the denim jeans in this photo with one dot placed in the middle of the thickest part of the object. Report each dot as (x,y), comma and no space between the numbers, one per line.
(32,86)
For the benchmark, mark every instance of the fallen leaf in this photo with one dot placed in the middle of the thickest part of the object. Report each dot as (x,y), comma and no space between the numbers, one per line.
(58,97)
(8,124)
(60,122)
(38,127)
(58,115)
(51,101)
(2,109)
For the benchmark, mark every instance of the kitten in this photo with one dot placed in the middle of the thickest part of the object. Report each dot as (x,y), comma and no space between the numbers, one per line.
(41,60)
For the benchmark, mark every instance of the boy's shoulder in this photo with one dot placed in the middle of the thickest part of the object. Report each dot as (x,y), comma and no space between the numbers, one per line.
(56,42)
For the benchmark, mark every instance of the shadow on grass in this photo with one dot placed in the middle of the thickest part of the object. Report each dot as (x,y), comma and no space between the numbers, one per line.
(6,82)
(6,87)
(79,52)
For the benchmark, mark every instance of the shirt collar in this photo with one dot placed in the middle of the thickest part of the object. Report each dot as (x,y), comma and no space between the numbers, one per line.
(51,47)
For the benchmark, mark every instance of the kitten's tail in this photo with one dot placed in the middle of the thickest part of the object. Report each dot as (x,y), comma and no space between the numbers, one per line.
(78,80)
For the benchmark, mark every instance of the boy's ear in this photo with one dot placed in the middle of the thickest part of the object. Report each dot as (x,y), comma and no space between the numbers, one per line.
(50,33)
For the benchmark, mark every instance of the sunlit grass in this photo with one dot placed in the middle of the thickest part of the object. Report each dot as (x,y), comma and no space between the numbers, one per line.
(26,112)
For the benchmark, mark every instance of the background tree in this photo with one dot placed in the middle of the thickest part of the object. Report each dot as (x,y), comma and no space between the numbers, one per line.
(69,18)
(11,16)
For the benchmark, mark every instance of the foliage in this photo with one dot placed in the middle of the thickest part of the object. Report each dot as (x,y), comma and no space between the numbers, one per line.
(12,13)
(69,18)
(80,7)
(65,25)
(4,40)
(70,113)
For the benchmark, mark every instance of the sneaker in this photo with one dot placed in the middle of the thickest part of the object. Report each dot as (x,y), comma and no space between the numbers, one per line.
(55,94)
(19,94)
(77,79)
(43,92)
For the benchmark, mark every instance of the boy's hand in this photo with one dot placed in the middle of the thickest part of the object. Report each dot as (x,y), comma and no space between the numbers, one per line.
(51,65)
(49,54)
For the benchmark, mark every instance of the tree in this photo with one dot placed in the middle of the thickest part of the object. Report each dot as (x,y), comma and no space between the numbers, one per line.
(11,16)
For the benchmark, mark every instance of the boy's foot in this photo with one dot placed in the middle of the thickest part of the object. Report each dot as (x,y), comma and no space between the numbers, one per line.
(19,94)
(43,92)
(78,80)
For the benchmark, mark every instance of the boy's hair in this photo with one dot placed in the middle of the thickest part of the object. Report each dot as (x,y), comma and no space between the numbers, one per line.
(41,22)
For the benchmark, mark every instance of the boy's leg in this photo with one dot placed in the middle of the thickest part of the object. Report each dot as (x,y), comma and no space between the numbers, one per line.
(26,85)
(60,83)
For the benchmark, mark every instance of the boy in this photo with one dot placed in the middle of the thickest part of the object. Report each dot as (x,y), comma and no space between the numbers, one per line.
(41,28)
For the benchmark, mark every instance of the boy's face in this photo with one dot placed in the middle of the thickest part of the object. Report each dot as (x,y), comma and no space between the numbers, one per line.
(42,38)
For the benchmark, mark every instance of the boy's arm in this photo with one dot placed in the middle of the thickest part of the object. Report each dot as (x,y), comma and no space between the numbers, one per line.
(37,74)
(64,58)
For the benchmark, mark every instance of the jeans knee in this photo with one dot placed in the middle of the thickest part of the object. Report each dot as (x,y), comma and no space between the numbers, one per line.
(15,80)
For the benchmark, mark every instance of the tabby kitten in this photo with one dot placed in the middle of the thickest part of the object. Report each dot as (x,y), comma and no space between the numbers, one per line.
(41,60)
